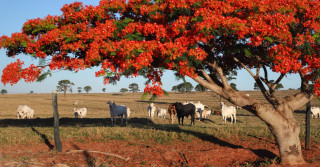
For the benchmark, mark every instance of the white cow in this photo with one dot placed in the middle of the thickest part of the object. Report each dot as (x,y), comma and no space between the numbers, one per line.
(151,110)
(82,112)
(25,111)
(228,111)
(161,113)
(315,111)
(120,110)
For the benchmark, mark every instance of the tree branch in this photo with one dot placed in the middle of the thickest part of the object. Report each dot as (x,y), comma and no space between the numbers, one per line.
(265,73)
(258,71)
(105,153)
(219,70)
(304,84)
(245,67)
(206,76)
(298,100)
(212,86)
(273,87)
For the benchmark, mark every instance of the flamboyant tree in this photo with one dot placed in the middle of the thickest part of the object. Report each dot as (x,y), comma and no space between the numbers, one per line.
(202,39)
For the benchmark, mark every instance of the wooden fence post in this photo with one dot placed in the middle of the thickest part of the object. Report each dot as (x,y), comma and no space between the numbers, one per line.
(57,140)
(307,139)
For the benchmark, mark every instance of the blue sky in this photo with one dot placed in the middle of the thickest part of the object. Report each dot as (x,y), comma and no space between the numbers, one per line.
(14,13)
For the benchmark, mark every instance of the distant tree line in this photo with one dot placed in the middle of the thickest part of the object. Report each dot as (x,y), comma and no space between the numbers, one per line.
(66,85)
(133,87)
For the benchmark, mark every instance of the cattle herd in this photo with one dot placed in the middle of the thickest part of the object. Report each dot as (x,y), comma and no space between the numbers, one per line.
(178,109)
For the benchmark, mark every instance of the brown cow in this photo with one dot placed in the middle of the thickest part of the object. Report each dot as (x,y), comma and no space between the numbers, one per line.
(172,111)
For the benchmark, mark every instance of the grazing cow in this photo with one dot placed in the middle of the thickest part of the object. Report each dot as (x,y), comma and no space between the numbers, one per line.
(185,110)
(151,110)
(118,111)
(82,112)
(228,111)
(172,111)
(24,111)
(315,111)
(161,113)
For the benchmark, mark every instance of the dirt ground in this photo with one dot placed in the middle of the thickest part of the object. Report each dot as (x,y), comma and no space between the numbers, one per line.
(249,152)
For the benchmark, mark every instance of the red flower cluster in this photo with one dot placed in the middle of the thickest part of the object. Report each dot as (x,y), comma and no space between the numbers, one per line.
(14,72)
(154,89)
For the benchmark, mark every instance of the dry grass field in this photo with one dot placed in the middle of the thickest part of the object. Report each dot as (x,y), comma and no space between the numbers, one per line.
(96,133)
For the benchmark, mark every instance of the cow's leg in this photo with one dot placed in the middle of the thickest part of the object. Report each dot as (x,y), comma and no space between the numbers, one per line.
(192,119)
(182,120)
(111,120)
(172,119)
(121,119)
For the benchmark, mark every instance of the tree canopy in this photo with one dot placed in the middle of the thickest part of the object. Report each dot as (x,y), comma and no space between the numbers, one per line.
(79,89)
(134,87)
(185,87)
(87,88)
(64,86)
(186,36)
(123,90)
(200,88)
(4,91)
(205,40)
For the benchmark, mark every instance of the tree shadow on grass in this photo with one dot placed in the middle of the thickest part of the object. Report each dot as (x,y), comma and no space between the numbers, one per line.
(262,153)
(69,122)
(135,122)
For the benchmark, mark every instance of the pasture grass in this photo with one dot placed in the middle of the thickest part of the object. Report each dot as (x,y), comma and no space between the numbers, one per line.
(97,125)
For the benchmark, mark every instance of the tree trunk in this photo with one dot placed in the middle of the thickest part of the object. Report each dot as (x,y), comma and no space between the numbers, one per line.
(286,131)
(287,137)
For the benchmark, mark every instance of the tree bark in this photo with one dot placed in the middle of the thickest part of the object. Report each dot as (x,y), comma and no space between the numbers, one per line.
(287,138)
(285,130)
